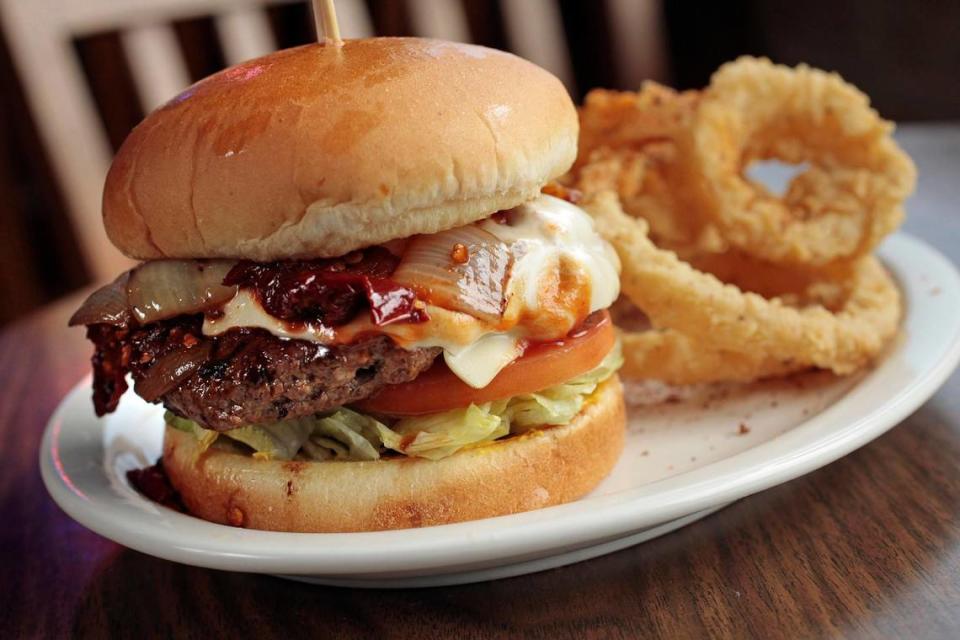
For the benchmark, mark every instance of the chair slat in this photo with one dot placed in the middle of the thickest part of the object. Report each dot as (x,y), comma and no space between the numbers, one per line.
(245,34)
(158,67)
(354,19)
(83,17)
(442,19)
(67,120)
(638,41)
(535,31)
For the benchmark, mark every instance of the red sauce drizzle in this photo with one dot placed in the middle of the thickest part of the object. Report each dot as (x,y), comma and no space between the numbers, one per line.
(331,291)
(154,484)
(591,323)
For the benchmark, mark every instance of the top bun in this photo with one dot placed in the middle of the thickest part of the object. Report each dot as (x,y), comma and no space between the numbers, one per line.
(319,150)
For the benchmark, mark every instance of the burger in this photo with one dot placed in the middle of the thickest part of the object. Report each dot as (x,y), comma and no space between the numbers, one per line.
(362,300)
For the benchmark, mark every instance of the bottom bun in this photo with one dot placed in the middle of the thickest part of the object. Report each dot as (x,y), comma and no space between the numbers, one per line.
(539,468)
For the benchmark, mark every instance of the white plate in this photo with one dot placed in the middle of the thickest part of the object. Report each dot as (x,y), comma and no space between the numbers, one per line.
(683,460)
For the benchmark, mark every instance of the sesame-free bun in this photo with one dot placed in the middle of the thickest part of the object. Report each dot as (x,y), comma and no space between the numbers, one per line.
(318,150)
(540,468)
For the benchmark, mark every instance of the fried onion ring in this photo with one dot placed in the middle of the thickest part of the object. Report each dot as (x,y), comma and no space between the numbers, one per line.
(838,209)
(674,358)
(629,143)
(640,178)
(794,285)
(676,296)
(623,119)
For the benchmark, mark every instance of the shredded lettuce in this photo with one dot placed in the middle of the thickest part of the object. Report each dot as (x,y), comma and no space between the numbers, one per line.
(355,433)
(440,434)
(348,435)
(274,441)
(344,434)
(559,404)
(205,437)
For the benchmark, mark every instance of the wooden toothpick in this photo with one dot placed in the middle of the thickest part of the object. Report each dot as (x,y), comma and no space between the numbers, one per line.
(325,17)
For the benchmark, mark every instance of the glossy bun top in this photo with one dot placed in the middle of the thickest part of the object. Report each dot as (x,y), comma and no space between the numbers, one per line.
(318,150)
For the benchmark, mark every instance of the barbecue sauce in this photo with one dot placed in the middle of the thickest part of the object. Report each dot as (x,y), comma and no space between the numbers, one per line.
(331,291)
(153,483)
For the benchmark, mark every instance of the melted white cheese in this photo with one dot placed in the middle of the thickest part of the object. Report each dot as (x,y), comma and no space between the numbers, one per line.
(245,311)
(540,233)
(546,228)
(479,362)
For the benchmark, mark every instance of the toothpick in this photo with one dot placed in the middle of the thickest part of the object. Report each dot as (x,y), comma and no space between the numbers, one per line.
(325,17)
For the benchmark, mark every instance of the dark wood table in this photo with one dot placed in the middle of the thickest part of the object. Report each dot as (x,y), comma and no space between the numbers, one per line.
(866,547)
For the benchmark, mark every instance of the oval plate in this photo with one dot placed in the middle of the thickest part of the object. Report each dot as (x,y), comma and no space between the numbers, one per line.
(683,459)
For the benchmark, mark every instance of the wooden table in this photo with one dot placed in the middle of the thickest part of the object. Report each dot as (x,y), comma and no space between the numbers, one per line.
(868,546)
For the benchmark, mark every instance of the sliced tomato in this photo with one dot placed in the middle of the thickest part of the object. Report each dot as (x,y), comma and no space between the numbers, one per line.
(542,365)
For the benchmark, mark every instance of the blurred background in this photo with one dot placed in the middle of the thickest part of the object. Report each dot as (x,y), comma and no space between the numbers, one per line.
(77,75)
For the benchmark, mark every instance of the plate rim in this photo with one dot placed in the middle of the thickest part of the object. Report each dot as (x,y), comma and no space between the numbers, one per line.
(516,537)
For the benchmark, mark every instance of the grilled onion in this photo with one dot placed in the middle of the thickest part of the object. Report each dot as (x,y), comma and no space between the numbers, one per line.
(170,370)
(463,269)
(167,288)
(107,305)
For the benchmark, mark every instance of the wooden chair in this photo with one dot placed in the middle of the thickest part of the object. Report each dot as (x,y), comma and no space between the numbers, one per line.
(41,35)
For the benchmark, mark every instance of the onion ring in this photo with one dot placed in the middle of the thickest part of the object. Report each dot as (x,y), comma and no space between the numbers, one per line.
(640,178)
(622,119)
(841,207)
(794,285)
(677,359)
(676,296)
(629,143)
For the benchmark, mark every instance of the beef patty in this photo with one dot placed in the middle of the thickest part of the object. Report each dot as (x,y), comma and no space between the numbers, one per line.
(248,376)
(268,379)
